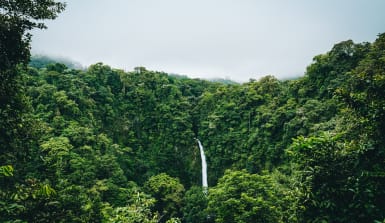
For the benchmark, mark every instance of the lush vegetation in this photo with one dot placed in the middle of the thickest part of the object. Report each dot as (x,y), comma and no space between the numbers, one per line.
(105,145)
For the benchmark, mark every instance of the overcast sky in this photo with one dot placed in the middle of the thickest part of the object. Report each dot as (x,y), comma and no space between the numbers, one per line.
(236,39)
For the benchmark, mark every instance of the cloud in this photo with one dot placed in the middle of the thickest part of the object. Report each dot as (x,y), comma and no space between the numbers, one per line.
(216,38)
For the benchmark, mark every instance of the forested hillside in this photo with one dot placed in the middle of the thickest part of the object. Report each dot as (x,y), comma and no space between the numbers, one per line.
(106,145)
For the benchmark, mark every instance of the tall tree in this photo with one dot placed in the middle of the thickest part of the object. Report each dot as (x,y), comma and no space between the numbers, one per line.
(243,197)
(17,18)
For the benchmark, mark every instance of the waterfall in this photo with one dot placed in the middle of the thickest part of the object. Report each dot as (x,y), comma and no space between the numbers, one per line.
(204,166)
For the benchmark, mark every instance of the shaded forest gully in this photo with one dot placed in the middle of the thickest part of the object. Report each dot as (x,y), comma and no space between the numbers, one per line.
(105,145)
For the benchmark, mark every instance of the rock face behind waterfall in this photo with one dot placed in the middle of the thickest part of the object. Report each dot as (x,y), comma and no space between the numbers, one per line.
(204,165)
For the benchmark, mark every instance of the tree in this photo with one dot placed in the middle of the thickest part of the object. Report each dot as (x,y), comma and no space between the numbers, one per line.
(195,204)
(168,193)
(139,211)
(336,181)
(16,19)
(322,172)
(242,197)
(17,128)
(365,90)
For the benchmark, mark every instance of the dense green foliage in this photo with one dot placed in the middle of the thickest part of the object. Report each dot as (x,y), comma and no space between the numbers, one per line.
(20,193)
(105,145)
(243,197)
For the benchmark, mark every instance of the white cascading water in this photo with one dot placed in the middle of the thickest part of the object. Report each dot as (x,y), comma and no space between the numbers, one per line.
(204,166)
